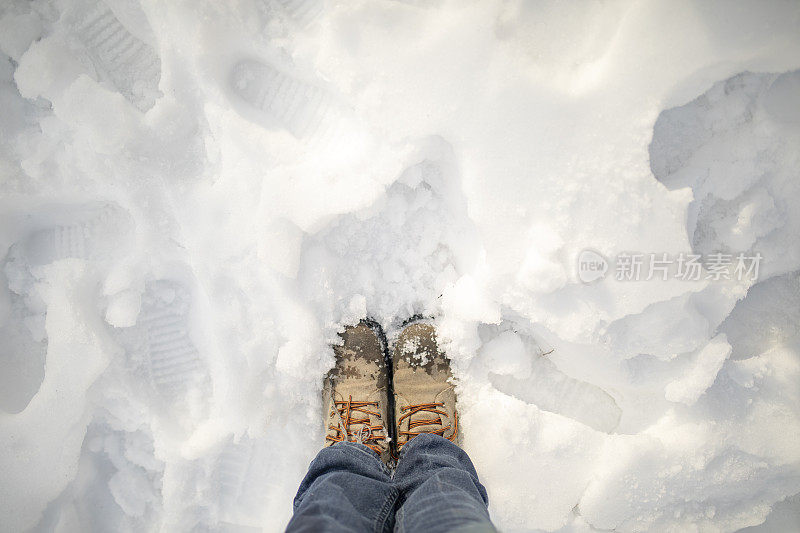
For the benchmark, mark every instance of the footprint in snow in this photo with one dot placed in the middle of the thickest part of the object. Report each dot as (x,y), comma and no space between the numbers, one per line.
(300,12)
(170,356)
(518,367)
(118,56)
(280,100)
(93,232)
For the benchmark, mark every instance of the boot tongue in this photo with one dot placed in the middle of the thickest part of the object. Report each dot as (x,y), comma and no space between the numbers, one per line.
(423,418)
(428,416)
(359,422)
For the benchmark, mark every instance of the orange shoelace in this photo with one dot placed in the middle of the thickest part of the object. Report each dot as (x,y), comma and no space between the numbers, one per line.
(433,408)
(366,434)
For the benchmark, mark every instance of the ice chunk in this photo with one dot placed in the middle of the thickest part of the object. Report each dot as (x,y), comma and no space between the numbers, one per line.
(781,99)
(130,491)
(18,31)
(739,198)
(707,363)
(663,329)
(784,516)
(768,316)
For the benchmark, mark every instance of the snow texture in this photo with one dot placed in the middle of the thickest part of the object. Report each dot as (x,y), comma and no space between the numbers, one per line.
(197,196)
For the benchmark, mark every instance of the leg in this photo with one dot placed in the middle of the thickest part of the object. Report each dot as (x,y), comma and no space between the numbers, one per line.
(439,488)
(347,488)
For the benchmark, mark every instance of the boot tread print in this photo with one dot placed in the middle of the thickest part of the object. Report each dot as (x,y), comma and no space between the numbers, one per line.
(424,393)
(355,392)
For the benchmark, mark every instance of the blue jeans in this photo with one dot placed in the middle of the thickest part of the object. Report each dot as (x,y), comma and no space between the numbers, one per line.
(434,488)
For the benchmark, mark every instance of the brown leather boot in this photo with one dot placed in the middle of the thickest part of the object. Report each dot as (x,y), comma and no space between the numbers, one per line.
(425,398)
(355,392)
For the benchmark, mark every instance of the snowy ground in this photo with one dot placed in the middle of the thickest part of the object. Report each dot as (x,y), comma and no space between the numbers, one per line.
(196,196)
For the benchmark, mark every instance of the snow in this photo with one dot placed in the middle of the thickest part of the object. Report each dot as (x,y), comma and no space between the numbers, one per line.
(705,366)
(196,197)
(506,355)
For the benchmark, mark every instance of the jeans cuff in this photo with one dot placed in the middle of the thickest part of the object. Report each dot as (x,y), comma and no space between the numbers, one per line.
(420,440)
(360,449)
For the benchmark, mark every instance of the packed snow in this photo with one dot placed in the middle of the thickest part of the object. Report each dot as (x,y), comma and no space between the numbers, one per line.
(197,196)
